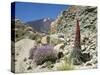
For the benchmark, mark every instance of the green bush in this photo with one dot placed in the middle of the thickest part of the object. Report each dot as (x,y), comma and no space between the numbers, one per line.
(66,65)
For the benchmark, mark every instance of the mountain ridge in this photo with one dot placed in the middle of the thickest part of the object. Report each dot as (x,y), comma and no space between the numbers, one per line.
(41,25)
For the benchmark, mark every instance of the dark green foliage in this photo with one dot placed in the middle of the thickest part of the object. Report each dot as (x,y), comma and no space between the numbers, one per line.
(60,54)
(86,57)
(76,57)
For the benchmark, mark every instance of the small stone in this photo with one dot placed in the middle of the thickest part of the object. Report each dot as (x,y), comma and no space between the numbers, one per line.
(17,54)
(89,64)
(83,48)
(29,68)
(58,46)
(68,39)
(25,59)
(45,40)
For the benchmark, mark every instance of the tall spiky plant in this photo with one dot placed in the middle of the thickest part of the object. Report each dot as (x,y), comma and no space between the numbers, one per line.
(76,54)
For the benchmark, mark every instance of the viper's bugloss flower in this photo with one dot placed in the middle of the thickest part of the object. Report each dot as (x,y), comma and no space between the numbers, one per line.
(44,53)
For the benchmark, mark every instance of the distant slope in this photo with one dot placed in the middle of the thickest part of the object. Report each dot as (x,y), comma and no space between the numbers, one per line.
(19,30)
(42,25)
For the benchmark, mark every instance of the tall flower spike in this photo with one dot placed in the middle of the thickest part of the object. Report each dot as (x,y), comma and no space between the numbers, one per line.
(77,36)
(76,55)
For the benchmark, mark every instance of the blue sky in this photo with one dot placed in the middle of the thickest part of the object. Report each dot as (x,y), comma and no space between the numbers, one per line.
(34,11)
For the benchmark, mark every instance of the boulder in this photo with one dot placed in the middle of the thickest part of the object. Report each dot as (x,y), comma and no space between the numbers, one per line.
(22,49)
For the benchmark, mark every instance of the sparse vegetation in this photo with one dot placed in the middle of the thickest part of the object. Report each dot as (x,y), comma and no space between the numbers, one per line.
(65,66)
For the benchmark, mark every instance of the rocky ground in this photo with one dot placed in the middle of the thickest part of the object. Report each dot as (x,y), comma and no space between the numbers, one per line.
(65,25)
(61,39)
